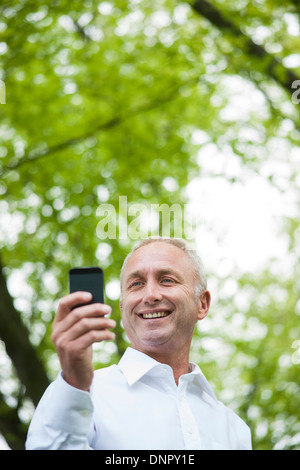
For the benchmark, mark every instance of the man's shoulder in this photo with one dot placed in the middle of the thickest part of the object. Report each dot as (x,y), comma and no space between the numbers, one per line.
(107,381)
(234,418)
(105,371)
(107,374)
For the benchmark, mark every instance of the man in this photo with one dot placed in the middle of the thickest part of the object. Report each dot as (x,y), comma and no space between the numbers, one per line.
(154,398)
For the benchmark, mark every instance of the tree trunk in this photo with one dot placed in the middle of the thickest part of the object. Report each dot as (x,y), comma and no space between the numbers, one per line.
(29,368)
(13,333)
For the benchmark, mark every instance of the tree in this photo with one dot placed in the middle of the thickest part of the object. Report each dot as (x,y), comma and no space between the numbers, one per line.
(106,99)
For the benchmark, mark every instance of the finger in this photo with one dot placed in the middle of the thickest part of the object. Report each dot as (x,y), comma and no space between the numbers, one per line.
(91,337)
(77,314)
(90,310)
(83,333)
(70,301)
(86,325)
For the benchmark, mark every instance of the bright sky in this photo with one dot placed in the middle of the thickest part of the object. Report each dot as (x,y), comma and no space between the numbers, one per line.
(242,221)
(237,222)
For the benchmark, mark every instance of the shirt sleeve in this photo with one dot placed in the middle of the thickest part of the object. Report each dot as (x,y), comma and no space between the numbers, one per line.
(62,419)
(240,434)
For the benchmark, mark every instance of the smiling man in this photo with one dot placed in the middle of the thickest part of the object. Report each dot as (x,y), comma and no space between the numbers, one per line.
(154,398)
(163,297)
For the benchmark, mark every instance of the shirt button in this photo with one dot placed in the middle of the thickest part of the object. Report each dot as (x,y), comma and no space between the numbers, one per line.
(84,413)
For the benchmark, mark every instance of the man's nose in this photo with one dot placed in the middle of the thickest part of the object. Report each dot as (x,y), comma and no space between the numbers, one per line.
(152,292)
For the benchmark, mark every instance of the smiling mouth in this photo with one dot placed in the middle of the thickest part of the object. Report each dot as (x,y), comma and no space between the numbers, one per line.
(150,315)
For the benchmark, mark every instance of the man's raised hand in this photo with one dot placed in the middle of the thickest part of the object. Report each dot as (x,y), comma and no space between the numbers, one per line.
(75,329)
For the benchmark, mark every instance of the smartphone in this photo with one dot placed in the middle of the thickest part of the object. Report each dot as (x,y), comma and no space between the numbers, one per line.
(88,280)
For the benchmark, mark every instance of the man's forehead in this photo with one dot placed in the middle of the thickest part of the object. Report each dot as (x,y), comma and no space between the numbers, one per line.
(157,255)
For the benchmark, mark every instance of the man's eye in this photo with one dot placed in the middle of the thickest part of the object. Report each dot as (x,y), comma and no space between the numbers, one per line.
(135,284)
(167,280)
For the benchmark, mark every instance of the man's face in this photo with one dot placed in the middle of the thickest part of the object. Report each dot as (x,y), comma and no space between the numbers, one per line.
(159,309)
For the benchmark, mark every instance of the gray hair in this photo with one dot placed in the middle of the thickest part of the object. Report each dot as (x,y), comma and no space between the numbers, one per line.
(201,281)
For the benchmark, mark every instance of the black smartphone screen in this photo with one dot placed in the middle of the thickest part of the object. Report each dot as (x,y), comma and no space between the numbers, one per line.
(89,280)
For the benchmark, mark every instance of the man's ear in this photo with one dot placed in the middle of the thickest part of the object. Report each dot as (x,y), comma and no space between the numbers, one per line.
(121,305)
(203,304)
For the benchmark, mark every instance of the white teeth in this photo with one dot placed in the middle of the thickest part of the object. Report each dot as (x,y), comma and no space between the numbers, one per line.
(155,314)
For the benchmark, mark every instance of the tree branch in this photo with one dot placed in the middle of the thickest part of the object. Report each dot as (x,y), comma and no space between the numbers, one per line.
(273,67)
(109,124)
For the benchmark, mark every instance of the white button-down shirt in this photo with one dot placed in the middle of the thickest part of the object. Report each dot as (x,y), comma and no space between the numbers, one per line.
(136,405)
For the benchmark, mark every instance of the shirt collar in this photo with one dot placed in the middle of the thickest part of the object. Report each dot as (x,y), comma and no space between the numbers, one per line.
(202,381)
(135,364)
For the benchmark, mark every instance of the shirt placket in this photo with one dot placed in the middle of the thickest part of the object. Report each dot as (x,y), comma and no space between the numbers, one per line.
(188,423)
